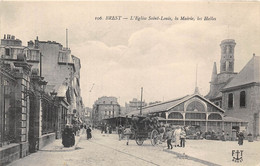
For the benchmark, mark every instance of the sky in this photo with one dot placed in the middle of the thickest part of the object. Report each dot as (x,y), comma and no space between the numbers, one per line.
(121,56)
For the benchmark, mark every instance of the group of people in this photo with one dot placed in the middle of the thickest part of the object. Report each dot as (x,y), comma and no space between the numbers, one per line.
(107,129)
(70,131)
(178,135)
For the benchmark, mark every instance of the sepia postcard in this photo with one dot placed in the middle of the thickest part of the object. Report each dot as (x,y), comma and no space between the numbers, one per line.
(113,83)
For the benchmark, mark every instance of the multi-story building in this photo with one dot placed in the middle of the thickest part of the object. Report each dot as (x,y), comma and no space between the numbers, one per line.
(87,115)
(104,108)
(32,112)
(27,112)
(238,94)
(58,59)
(134,105)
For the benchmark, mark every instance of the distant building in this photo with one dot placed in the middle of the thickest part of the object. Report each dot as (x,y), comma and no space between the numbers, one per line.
(154,102)
(87,115)
(104,108)
(134,105)
(238,94)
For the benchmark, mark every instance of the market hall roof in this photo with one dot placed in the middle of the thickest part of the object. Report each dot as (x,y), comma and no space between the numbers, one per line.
(166,106)
(249,74)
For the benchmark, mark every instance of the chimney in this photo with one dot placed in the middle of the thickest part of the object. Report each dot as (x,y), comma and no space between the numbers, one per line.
(37,42)
(30,43)
(5,36)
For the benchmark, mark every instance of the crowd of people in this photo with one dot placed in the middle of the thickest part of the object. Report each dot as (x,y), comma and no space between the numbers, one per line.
(168,133)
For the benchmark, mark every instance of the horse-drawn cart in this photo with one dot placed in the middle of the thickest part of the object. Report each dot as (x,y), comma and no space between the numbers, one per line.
(146,128)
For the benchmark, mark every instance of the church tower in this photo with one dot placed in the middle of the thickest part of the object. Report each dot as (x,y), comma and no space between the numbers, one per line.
(219,80)
(227,56)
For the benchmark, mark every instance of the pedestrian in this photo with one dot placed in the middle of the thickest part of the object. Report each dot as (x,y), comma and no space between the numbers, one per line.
(89,135)
(183,137)
(107,129)
(127,133)
(120,131)
(161,131)
(110,129)
(169,138)
(68,137)
(240,138)
(102,128)
(177,133)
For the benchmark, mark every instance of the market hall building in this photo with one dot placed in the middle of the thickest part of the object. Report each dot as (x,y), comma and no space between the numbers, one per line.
(194,110)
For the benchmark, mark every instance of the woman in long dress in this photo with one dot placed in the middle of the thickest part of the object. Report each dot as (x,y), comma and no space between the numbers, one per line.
(240,138)
(89,136)
(177,134)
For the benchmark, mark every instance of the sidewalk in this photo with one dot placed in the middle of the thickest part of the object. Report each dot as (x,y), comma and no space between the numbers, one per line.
(57,146)
(210,152)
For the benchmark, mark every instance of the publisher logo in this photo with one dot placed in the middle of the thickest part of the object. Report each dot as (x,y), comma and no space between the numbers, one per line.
(237,156)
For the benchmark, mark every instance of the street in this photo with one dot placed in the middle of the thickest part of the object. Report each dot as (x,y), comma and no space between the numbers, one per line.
(103,149)
(106,149)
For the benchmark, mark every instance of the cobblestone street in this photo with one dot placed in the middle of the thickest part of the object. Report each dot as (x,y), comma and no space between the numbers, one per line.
(105,149)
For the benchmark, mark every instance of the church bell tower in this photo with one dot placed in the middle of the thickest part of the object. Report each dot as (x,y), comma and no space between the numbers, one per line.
(227,56)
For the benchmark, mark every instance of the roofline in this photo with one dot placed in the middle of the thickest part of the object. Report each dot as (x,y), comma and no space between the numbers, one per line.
(240,86)
(196,94)
(188,97)
(164,102)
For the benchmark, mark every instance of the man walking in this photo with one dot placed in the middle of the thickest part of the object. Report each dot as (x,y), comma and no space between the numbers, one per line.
(183,137)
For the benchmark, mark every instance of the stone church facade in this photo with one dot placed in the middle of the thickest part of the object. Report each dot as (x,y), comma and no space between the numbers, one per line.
(237,93)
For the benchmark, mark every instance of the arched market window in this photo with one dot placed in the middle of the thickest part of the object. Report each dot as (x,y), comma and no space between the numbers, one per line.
(175,115)
(195,106)
(195,116)
(215,117)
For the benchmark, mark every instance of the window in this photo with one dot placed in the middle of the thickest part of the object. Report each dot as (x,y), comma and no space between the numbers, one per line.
(195,106)
(195,116)
(7,51)
(230,100)
(215,117)
(242,99)
(230,66)
(175,115)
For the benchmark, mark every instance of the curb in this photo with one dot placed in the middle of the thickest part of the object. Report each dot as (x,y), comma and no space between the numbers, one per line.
(61,148)
(184,156)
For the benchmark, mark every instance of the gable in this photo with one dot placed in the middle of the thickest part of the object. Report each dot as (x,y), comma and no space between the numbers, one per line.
(249,74)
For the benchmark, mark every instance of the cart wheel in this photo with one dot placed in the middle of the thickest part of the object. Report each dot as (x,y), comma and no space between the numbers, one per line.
(154,137)
(139,141)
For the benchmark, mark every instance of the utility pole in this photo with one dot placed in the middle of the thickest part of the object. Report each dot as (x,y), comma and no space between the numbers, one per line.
(141,101)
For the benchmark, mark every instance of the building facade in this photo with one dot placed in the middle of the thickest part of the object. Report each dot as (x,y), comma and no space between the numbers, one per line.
(237,93)
(27,112)
(134,105)
(35,109)
(193,110)
(66,84)
(104,108)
